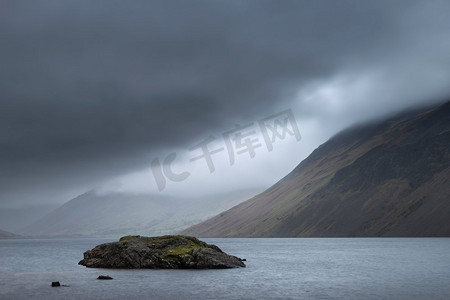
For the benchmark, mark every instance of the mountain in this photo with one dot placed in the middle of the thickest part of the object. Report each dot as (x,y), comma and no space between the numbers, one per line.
(386,178)
(117,214)
(15,219)
(9,235)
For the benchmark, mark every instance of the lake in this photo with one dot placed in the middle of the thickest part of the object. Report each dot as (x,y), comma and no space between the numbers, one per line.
(314,268)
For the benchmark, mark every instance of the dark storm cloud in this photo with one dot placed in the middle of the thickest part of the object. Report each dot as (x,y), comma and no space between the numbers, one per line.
(90,89)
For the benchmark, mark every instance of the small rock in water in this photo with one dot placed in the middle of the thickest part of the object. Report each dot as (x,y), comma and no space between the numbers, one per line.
(56,283)
(104,277)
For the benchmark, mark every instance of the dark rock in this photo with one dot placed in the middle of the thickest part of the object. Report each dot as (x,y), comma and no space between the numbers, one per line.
(104,277)
(165,252)
(56,283)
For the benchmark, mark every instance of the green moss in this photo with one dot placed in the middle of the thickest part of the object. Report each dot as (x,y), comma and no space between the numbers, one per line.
(176,240)
(171,246)
(183,249)
(127,238)
(164,238)
(181,245)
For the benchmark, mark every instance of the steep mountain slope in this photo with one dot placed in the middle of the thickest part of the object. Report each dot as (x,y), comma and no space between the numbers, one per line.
(117,214)
(9,235)
(387,178)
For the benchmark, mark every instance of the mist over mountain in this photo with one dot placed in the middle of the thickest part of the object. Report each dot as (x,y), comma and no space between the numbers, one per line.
(9,235)
(92,91)
(15,219)
(116,214)
(386,178)
(257,123)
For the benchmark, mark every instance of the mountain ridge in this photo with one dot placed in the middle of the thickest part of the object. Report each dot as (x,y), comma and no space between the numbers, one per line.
(361,182)
(9,235)
(114,214)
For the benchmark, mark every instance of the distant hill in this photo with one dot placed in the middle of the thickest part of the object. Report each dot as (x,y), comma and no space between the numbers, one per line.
(118,214)
(389,178)
(9,235)
(15,219)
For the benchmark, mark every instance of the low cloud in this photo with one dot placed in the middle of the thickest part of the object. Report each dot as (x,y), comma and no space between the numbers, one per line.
(93,91)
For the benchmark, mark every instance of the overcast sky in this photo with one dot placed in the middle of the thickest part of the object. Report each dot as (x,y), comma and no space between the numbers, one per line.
(91,92)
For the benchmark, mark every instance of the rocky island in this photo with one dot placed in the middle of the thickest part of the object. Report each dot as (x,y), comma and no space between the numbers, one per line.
(164,252)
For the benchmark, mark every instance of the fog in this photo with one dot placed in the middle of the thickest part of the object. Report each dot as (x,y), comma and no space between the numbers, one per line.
(92,92)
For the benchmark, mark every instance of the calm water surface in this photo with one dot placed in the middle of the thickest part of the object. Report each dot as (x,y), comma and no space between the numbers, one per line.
(276,269)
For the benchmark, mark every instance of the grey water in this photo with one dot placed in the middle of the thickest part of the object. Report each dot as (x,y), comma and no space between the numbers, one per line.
(316,268)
